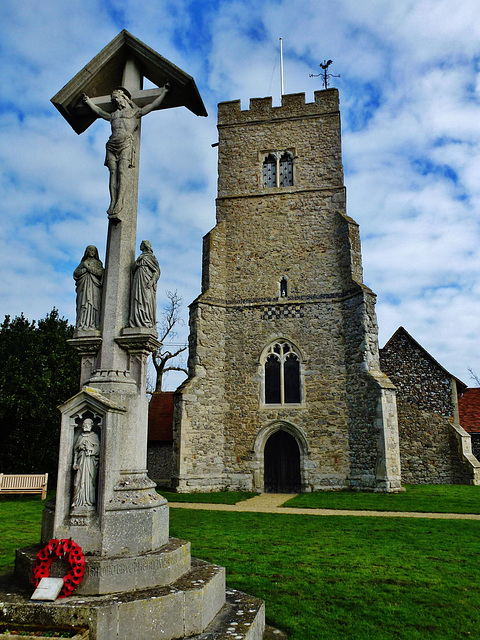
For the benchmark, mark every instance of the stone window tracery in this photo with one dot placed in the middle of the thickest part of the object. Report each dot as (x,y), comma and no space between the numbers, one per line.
(278,169)
(282,374)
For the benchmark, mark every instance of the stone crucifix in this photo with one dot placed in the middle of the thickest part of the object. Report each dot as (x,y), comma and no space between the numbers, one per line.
(105,474)
(121,148)
(110,87)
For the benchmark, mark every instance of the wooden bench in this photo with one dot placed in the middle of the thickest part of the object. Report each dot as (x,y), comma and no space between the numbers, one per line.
(24,483)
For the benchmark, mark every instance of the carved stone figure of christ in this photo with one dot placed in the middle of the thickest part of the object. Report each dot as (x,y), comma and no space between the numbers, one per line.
(120,154)
(85,464)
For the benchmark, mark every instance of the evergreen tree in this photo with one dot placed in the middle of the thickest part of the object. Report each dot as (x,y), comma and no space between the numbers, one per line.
(39,370)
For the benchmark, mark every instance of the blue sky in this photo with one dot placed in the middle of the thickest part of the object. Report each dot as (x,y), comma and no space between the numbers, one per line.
(410,107)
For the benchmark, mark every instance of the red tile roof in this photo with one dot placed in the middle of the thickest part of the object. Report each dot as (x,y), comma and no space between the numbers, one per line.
(469,410)
(160,417)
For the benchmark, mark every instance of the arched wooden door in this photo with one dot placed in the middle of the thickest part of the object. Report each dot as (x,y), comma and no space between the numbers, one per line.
(282,464)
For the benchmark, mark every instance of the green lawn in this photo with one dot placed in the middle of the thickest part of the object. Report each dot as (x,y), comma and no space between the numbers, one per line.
(335,578)
(453,498)
(341,578)
(423,498)
(20,523)
(221,497)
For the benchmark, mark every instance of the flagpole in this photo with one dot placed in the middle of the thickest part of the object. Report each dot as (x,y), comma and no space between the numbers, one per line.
(281,66)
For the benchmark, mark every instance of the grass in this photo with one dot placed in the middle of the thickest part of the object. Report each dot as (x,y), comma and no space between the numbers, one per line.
(222,497)
(20,523)
(347,578)
(335,578)
(422,498)
(453,498)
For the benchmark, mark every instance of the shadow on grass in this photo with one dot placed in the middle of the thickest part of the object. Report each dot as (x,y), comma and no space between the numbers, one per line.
(221,497)
(453,498)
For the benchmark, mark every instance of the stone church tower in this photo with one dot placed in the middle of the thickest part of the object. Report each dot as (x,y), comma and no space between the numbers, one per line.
(285,391)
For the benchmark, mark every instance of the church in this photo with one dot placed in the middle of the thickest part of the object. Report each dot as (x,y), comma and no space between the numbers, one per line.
(287,391)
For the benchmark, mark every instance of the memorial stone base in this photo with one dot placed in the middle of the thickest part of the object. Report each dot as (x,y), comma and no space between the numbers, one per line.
(195,606)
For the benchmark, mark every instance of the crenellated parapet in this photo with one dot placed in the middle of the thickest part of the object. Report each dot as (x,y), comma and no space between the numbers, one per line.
(293,104)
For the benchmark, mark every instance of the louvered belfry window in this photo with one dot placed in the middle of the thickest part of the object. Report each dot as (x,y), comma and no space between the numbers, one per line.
(270,171)
(278,169)
(286,170)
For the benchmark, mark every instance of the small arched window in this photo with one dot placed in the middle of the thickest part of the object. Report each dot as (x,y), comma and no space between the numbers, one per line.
(282,374)
(283,288)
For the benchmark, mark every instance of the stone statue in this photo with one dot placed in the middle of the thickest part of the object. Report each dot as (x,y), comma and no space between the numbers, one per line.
(120,154)
(88,278)
(146,273)
(85,464)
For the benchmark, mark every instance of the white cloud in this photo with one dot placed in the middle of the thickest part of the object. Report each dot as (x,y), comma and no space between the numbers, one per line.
(411,137)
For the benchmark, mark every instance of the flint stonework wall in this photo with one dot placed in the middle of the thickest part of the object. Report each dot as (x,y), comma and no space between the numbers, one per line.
(429,449)
(160,461)
(476,445)
(322,415)
(373,428)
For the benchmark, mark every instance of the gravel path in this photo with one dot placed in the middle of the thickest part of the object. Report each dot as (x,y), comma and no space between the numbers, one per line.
(272,503)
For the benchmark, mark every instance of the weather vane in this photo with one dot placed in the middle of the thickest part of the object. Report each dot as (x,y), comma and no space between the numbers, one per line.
(325,75)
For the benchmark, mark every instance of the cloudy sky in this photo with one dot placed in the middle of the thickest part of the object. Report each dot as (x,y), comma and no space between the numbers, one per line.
(410,105)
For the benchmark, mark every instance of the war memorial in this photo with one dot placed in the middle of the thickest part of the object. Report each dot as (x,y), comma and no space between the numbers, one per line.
(134,582)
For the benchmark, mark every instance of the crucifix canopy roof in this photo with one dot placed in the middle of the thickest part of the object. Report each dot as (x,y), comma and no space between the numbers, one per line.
(105,72)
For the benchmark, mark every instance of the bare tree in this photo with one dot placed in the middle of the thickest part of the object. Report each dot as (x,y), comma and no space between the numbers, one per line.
(474,376)
(166,327)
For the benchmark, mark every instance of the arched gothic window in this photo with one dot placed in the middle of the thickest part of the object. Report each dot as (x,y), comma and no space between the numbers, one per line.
(282,374)
(278,169)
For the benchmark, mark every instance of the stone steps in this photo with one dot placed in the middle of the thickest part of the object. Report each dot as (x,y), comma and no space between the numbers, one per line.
(241,618)
(180,610)
(196,606)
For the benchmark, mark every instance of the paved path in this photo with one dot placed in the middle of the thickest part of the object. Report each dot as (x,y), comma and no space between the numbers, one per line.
(271,503)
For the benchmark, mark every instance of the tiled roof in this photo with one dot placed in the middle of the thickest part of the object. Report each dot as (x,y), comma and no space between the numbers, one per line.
(469,410)
(160,417)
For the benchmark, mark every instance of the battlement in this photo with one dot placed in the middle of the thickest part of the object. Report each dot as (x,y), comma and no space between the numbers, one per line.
(293,104)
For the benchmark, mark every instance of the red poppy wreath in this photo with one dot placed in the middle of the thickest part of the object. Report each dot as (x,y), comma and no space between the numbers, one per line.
(69,551)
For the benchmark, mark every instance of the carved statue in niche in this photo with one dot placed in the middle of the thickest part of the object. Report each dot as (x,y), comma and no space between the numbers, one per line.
(146,273)
(86,452)
(88,278)
(120,154)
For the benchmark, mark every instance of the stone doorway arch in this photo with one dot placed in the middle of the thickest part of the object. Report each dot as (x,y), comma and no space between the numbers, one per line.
(282,464)
(281,454)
